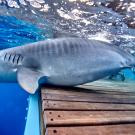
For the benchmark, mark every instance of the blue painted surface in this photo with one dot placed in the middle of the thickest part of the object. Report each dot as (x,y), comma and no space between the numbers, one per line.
(13,100)
(32,126)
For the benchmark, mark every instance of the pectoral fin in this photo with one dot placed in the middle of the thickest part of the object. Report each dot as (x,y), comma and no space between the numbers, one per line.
(29,79)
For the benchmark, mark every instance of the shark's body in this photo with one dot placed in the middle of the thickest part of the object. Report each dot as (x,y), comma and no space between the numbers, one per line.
(62,61)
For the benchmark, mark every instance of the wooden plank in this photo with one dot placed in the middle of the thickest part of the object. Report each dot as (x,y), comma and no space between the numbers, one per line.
(124,129)
(99,98)
(83,91)
(75,106)
(109,89)
(86,107)
(42,128)
(61,118)
(126,86)
(85,95)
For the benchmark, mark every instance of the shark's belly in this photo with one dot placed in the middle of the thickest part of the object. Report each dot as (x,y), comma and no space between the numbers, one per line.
(74,68)
(80,71)
(72,79)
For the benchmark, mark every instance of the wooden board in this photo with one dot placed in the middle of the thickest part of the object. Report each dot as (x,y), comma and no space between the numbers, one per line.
(66,118)
(125,129)
(85,106)
(90,98)
(85,95)
(83,91)
(126,86)
(77,111)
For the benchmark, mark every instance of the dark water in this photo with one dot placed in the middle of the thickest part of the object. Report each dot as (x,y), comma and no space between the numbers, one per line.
(24,21)
(13,104)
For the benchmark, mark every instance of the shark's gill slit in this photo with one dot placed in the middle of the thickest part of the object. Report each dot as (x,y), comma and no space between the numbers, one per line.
(9,57)
(5,56)
(18,59)
(14,58)
(21,58)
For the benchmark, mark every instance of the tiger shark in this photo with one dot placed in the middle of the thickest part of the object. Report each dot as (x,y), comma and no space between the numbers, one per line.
(62,61)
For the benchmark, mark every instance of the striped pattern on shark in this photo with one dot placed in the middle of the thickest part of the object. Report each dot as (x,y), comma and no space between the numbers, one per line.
(62,61)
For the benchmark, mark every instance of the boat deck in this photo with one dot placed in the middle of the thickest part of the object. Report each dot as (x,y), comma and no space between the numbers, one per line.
(88,110)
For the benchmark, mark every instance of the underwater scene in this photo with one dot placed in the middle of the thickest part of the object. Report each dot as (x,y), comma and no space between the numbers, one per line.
(28,21)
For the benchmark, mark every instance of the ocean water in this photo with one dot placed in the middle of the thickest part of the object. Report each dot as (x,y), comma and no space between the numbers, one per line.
(14,100)
(25,21)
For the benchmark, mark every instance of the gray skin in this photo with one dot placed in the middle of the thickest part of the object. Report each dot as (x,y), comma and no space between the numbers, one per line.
(62,61)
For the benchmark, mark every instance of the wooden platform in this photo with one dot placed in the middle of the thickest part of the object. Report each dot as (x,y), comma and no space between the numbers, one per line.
(87,111)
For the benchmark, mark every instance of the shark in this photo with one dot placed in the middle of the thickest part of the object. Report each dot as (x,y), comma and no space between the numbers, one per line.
(66,61)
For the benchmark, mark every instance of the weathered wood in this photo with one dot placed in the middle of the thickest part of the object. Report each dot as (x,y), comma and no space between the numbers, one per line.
(126,86)
(85,95)
(42,128)
(83,91)
(77,111)
(119,89)
(90,98)
(85,106)
(124,129)
(61,118)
